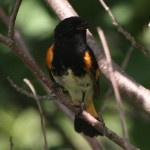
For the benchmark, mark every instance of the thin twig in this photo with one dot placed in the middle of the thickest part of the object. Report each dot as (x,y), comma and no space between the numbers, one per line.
(6,19)
(106,99)
(123,31)
(123,66)
(127,57)
(28,94)
(114,84)
(40,111)
(11,143)
(13,18)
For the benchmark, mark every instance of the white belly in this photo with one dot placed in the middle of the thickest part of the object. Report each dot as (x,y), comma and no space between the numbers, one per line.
(77,86)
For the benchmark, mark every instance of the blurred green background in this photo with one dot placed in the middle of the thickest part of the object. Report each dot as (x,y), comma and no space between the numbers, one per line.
(19,115)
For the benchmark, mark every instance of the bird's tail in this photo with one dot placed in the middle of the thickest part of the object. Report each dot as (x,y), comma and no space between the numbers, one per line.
(81,126)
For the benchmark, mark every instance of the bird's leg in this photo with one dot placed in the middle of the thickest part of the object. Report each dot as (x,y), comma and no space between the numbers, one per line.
(55,87)
(81,106)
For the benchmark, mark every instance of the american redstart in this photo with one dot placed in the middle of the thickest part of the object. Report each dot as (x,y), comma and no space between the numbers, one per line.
(72,65)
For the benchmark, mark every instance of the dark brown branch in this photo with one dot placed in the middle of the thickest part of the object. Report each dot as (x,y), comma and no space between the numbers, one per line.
(112,136)
(27,60)
(5,19)
(13,18)
(28,94)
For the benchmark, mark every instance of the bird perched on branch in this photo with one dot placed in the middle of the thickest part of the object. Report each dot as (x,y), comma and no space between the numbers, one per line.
(72,65)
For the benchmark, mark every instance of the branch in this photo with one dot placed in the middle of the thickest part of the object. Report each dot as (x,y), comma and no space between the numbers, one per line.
(122,30)
(107,132)
(13,18)
(128,87)
(93,142)
(127,57)
(5,19)
(38,72)
(19,39)
(11,143)
(28,94)
(114,85)
(123,66)
(40,112)
(61,97)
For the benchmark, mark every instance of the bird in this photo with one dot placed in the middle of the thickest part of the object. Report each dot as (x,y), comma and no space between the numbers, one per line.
(72,65)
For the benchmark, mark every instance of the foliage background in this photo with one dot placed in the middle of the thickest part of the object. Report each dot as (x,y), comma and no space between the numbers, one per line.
(19,115)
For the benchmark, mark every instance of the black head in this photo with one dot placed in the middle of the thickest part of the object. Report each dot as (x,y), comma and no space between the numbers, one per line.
(70,26)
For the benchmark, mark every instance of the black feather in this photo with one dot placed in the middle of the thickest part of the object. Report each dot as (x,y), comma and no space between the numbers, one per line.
(81,126)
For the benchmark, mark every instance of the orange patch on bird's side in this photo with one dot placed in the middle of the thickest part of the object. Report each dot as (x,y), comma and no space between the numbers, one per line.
(49,57)
(87,60)
(91,109)
(97,74)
